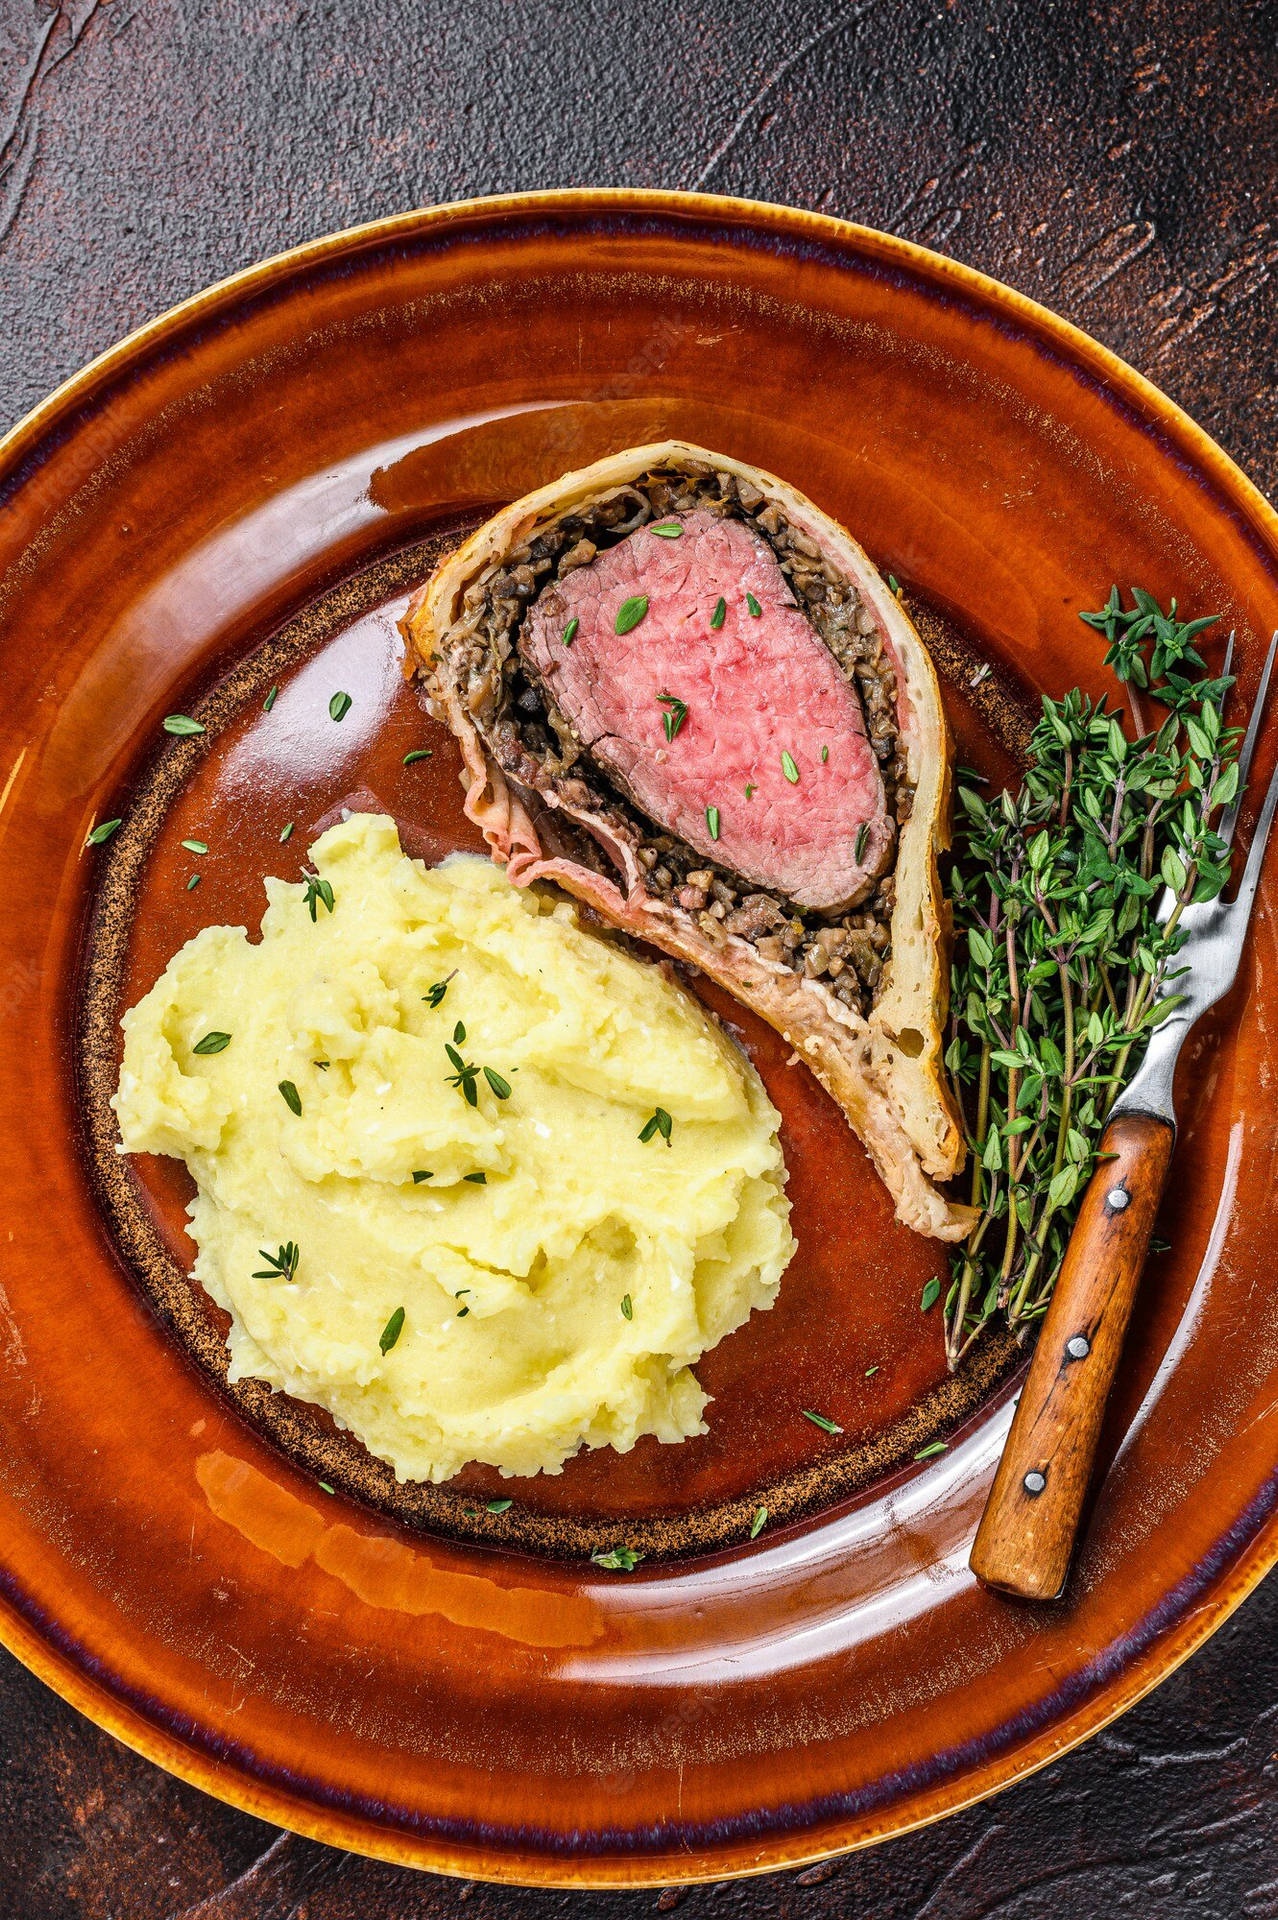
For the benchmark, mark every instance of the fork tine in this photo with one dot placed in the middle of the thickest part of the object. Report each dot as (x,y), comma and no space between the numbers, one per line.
(1245,899)
(1229,818)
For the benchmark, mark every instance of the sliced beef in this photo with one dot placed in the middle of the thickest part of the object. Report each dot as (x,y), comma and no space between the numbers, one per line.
(767,769)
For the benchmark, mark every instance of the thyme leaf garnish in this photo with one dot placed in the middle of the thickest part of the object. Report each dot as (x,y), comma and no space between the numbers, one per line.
(668,530)
(676,714)
(418,753)
(339,706)
(391,1331)
(101,833)
(464,1078)
(195,846)
(270,700)
(631,612)
(617,1559)
(281,1265)
(498,1506)
(419,1176)
(789,769)
(212,1043)
(182,725)
(759,1522)
(752,606)
(660,1123)
(862,835)
(821,1420)
(570,631)
(627,1307)
(317,892)
(291,1097)
(720,613)
(287,833)
(712,821)
(476,1179)
(440,988)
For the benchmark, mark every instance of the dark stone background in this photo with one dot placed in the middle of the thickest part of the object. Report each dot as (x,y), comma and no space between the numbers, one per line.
(1120,163)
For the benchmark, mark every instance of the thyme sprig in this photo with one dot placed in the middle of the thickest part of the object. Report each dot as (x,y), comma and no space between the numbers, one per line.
(318,893)
(440,988)
(466,1077)
(1061,968)
(281,1265)
(675,715)
(617,1559)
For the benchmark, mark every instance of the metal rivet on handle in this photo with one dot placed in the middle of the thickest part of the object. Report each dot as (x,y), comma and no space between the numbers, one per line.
(1117,1198)
(1034,1482)
(1078,1346)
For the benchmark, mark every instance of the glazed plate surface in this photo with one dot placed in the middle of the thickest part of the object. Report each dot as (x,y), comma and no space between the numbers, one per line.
(241,497)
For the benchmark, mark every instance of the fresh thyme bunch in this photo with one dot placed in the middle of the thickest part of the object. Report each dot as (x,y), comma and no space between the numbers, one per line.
(1061,969)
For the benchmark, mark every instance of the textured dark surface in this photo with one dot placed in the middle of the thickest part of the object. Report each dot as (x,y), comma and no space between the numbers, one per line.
(1119,163)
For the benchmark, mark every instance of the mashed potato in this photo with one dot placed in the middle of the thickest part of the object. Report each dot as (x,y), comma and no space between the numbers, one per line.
(559,1276)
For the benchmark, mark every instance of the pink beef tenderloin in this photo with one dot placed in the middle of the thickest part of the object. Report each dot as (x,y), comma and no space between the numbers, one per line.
(756,688)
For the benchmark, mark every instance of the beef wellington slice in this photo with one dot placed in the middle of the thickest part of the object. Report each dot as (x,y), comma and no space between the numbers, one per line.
(684,694)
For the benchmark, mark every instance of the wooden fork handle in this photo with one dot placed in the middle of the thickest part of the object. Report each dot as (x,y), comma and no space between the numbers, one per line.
(1026,1537)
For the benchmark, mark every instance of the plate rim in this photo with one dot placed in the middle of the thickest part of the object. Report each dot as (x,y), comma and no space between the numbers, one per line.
(1221,1591)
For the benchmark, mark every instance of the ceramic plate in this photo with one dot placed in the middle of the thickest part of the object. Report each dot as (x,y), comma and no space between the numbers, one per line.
(240,497)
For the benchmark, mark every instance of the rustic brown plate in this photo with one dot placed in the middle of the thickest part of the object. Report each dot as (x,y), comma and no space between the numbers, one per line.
(237,497)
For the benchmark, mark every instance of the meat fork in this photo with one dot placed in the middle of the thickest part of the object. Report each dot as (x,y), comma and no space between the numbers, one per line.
(1026,1537)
